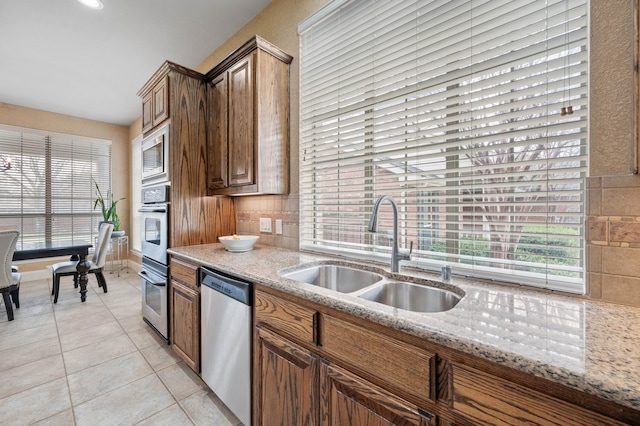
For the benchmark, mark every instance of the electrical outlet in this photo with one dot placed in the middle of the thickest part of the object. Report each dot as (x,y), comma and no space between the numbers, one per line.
(265,224)
(278,226)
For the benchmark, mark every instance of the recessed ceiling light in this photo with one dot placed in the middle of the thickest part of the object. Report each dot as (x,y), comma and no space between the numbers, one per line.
(93,4)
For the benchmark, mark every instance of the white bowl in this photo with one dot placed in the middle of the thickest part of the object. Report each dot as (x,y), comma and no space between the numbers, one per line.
(238,243)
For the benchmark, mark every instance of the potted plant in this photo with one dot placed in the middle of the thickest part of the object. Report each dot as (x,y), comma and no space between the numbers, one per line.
(108,208)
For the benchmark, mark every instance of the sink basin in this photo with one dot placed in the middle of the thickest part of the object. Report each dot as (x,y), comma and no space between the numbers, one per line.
(411,297)
(335,277)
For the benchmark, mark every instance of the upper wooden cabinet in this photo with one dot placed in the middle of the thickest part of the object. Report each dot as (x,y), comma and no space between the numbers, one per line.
(248,129)
(178,95)
(156,94)
(155,105)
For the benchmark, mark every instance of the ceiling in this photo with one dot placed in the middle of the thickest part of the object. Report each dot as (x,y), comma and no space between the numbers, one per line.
(60,56)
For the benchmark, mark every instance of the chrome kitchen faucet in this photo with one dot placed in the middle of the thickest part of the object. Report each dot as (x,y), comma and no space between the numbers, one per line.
(396,255)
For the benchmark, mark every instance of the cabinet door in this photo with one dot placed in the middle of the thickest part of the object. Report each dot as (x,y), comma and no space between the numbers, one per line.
(241,123)
(147,112)
(161,101)
(185,321)
(217,146)
(285,382)
(349,400)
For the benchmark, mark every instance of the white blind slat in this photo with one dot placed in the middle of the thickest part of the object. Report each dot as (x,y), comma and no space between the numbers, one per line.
(48,192)
(453,108)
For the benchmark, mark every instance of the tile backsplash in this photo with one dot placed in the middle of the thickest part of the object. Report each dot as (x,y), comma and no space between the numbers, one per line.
(613,239)
(283,207)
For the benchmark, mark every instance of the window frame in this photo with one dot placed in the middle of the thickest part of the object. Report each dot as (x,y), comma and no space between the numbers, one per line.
(344,241)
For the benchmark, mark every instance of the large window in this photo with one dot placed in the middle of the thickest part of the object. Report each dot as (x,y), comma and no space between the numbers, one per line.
(47,185)
(471,114)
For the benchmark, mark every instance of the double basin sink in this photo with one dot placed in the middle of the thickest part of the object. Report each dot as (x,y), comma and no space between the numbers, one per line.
(376,287)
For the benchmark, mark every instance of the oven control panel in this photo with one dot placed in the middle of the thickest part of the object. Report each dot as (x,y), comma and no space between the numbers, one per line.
(155,194)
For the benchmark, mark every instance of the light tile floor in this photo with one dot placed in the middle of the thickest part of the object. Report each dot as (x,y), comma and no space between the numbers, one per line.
(95,363)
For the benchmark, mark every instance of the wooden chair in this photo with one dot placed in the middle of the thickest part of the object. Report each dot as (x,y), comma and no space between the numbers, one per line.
(9,280)
(96,265)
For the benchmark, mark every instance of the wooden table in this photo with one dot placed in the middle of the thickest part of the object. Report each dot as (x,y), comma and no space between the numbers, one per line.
(76,249)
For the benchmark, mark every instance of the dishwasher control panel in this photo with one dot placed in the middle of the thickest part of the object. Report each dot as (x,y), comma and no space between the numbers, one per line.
(233,287)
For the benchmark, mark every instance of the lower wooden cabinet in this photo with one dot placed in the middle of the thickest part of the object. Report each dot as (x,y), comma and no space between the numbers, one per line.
(285,381)
(295,385)
(186,324)
(184,311)
(484,399)
(347,399)
(402,368)
(316,366)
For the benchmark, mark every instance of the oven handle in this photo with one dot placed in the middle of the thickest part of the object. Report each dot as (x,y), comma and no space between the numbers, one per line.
(154,209)
(146,276)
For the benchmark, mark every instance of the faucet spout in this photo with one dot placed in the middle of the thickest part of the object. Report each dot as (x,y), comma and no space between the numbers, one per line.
(396,256)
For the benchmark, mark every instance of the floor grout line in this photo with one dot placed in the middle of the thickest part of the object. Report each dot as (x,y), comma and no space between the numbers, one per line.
(64,365)
(174,378)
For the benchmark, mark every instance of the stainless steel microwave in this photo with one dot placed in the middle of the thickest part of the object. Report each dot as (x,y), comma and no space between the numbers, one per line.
(155,156)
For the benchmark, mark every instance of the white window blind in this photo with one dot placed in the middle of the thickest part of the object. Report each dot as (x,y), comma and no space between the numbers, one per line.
(49,191)
(455,109)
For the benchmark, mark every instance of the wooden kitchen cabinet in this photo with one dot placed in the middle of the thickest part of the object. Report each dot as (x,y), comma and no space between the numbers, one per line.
(289,319)
(286,392)
(185,312)
(241,154)
(248,130)
(304,377)
(147,112)
(400,367)
(155,105)
(359,372)
(194,218)
(484,399)
(349,400)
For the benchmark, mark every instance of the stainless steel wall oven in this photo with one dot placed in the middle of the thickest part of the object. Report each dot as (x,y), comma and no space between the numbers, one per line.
(154,271)
(155,302)
(155,222)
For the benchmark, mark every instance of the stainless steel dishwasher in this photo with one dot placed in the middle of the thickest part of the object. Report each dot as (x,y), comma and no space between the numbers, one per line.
(226,340)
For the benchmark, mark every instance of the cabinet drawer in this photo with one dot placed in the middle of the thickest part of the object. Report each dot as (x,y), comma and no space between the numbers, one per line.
(401,367)
(286,317)
(490,400)
(184,272)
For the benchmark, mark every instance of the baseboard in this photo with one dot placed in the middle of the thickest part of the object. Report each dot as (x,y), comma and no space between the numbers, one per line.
(38,275)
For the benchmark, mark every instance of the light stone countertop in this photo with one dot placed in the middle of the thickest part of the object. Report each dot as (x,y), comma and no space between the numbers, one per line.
(587,345)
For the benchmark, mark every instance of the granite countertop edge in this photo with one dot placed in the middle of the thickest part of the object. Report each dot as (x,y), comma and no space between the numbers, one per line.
(598,370)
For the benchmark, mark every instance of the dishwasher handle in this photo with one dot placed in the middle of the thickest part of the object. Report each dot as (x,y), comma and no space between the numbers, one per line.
(232,287)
